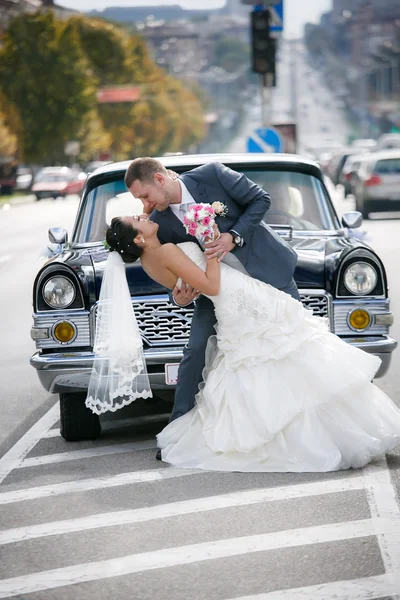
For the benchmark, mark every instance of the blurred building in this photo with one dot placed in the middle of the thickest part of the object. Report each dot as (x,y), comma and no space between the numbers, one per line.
(235,8)
(359,44)
(11,8)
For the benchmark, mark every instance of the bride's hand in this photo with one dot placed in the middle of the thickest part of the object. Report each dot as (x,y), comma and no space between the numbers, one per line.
(217,235)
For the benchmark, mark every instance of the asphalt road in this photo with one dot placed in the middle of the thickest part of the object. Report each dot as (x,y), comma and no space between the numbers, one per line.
(100,520)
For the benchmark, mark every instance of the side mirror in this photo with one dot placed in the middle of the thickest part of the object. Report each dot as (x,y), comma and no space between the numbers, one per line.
(58,235)
(352,219)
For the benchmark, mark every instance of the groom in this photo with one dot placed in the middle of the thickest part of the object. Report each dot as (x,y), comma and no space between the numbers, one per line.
(246,243)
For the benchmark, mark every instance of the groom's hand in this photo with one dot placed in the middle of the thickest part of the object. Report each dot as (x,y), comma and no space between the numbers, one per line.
(219,248)
(186,295)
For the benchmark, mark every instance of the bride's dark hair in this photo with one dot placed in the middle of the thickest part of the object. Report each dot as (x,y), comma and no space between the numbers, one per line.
(120,236)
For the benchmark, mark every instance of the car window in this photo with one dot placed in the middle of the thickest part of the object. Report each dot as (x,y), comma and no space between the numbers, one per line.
(48,176)
(389,166)
(297,199)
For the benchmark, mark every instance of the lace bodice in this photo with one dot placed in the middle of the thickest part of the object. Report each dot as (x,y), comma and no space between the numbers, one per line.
(241,297)
(239,294)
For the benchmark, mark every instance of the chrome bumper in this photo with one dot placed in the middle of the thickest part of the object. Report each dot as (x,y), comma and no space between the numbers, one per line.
(70,372)
(381,346)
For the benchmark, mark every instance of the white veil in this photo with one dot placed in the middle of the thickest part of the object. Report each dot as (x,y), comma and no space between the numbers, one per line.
(119,373)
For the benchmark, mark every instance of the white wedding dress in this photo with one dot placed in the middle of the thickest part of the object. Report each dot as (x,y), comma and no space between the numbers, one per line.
(280,392)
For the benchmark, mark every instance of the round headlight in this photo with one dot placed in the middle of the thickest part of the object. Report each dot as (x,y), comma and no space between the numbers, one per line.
(360,278)
(59,292)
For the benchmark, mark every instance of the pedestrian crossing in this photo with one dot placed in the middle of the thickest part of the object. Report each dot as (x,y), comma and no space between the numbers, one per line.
(146,530)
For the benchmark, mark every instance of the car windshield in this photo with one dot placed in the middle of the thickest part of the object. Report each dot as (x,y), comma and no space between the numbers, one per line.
(52,177)
(299,200)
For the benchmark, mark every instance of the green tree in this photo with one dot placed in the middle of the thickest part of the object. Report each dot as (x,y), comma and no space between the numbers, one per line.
(166,118)
(44,73)
(9,123)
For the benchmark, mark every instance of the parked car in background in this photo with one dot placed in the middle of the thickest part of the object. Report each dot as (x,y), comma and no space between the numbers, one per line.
(96,164)
(339,278)
(337,162)
(388,141)
(349,175)
(377,188)
(55,182)
(367,144)
(24,179)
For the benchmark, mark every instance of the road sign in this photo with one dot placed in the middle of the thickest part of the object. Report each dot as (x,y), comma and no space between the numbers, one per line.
(275,8)
(265,139)
(276,15)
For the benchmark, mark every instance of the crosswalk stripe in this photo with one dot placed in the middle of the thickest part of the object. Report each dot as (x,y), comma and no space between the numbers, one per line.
(48,459)
(366,588)
(52,433)
(383,503)
(13,457)
(184,555)
(86,485)
(184,507)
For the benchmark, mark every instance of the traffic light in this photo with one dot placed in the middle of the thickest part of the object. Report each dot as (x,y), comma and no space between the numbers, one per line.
(263,46)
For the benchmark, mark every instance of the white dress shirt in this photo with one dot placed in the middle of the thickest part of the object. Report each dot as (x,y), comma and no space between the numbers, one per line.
(187,198)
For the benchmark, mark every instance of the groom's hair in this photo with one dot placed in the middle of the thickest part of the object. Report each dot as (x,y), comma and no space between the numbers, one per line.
(143,169)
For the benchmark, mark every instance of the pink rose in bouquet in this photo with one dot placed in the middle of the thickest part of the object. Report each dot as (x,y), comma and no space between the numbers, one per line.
(199,221)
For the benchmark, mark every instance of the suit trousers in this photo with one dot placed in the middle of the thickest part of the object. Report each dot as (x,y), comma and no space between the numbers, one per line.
(193,361)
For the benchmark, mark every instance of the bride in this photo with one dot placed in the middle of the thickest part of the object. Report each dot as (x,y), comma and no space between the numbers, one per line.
(279,393)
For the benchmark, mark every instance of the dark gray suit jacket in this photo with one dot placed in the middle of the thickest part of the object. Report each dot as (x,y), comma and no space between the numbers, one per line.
(265,255)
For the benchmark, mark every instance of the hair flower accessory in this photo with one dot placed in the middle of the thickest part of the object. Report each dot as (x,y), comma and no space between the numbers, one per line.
(199,221)
(220,209)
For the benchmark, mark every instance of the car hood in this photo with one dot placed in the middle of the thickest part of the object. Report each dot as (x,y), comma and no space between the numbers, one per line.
(318,256)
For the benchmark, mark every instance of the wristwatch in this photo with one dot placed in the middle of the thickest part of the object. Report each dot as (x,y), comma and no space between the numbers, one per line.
(237,239)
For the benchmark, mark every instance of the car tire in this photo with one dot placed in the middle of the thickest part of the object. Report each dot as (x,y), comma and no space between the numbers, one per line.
(77,422)
(37,197)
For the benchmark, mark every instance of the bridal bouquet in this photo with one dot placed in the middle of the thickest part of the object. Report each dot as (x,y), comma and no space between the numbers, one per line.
(199,221)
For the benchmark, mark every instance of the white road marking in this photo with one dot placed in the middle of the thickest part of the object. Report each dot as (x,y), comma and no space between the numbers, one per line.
(5,258)
(184,507)
(52,433)
(366,588)
(48,459)
(120,423)
(383,504)
(86,485)
(12,459)
(184,555)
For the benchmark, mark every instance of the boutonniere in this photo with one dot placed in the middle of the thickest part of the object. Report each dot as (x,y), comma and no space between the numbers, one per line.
(220,209)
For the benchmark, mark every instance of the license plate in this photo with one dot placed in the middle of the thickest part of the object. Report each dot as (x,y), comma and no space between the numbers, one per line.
(171,373)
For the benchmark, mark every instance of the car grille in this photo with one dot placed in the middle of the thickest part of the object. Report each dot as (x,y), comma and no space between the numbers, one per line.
(317,302)
(163,324)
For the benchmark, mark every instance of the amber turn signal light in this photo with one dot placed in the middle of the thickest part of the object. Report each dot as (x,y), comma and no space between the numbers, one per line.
(64,332)
(359,319)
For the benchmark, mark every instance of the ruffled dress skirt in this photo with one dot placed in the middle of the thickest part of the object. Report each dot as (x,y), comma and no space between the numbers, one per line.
(280,393)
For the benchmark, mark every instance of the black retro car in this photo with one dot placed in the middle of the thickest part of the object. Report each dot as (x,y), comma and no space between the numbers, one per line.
(339,277)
